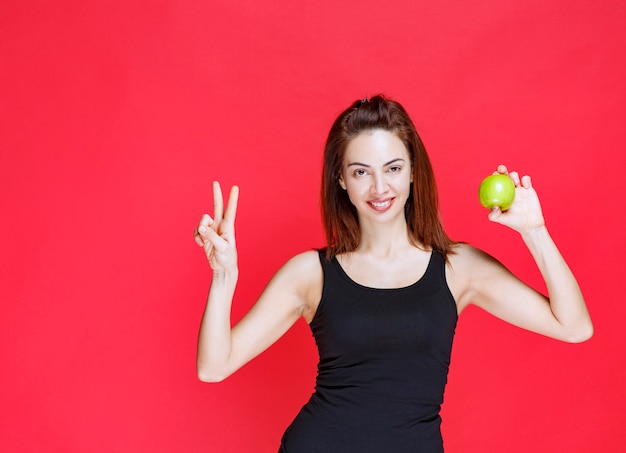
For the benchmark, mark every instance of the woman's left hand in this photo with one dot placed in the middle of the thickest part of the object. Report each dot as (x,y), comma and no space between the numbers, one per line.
(525,213)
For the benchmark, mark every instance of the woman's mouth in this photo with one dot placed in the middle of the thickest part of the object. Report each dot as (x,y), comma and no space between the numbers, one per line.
(380,205)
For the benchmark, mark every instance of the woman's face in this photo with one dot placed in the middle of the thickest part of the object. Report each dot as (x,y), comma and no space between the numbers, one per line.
(377,175)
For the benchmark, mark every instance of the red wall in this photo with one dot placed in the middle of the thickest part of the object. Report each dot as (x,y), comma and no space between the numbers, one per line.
(116,116)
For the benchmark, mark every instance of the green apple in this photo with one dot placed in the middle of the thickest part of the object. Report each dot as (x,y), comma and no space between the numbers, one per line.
(496,190)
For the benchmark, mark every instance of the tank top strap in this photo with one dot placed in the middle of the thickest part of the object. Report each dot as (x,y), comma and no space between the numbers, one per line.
(325,263)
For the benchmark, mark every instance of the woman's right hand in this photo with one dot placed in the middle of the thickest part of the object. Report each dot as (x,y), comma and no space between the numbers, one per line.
(217,235)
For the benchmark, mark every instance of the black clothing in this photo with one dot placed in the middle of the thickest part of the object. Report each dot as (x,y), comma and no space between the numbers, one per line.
(384,357)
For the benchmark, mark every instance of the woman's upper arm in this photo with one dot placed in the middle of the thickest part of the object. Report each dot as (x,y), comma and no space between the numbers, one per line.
(488,284)
(291,293)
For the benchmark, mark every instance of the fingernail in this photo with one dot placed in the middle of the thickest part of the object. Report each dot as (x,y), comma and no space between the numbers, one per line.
(202,229)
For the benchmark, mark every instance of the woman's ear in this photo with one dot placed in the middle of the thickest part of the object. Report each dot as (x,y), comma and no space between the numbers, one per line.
(342,183)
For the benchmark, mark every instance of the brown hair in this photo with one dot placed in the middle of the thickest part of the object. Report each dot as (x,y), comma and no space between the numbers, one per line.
(339,216)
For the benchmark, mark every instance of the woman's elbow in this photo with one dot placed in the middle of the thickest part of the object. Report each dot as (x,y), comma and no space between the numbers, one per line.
(582,334)
(210,376)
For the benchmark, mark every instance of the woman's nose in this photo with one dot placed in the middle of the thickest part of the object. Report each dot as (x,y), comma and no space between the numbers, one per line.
(380,185)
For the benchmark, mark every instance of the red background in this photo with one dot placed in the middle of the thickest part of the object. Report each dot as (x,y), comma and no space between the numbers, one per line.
(116,116)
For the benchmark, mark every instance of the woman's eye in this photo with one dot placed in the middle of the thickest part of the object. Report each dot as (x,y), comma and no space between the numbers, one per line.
(360,172)
(395,169)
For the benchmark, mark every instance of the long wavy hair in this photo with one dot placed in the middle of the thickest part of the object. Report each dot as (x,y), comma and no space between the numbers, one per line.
(339,215)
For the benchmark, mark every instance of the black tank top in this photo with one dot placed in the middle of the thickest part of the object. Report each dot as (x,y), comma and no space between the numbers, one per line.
(384,357)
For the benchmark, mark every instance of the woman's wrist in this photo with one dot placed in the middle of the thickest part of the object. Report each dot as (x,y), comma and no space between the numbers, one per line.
(535,234)
(225,276)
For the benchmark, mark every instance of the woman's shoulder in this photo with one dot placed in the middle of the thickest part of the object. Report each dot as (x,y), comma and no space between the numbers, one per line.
(462,251)
(469,262)
(304,274)
(466,266)
(303,268)
(305,260)
(466,258)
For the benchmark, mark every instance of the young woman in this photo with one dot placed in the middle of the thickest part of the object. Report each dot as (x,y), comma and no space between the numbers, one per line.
(383,298)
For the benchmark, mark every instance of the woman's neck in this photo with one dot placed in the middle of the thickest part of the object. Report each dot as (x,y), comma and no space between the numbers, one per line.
(384,240)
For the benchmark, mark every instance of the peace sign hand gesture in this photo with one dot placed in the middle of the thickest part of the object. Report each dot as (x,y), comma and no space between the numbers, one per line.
(217,235)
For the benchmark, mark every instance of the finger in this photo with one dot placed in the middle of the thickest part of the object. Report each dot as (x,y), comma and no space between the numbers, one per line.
(527,182)
(231,209)
(208,236)
(515,177)
(208,249)
(218,202)
(197,238)
(494,214)
(205,221)
(502,169)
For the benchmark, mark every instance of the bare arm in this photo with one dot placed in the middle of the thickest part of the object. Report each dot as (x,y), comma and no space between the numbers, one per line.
(563,314)
(290,294)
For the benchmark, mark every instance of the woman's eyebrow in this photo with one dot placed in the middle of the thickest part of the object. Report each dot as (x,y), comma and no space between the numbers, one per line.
(399,159)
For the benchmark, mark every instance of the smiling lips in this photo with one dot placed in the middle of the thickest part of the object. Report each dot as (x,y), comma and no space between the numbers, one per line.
(380,205)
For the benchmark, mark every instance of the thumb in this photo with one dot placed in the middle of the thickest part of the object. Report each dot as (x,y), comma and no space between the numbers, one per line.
(494,214)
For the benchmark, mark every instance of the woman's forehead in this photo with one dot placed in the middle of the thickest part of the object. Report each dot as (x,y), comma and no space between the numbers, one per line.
(375,147)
